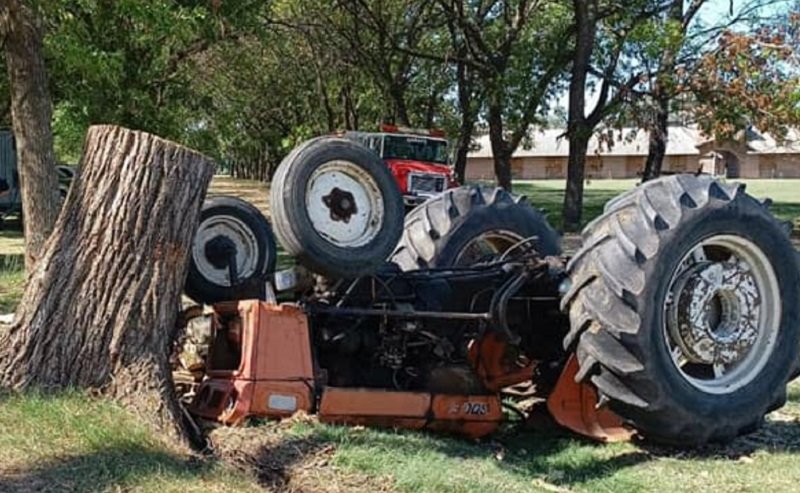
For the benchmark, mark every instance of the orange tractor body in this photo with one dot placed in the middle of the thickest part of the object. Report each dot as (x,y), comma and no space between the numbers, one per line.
(261,365)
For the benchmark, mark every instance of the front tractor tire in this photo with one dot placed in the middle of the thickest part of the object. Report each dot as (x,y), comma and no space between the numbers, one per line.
(234,239)
(336,208)
(684,310)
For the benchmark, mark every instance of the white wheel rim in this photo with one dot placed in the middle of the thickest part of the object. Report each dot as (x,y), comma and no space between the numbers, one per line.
(722,314)
(236,231)
(344,204)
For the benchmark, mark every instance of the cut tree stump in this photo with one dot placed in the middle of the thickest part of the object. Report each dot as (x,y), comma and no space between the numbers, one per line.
(101,304)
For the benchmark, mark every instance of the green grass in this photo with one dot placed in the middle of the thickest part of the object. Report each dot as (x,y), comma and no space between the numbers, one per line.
(72,442)
(528,461)
(12,280)
(76,443)
(11,242)
(549,195)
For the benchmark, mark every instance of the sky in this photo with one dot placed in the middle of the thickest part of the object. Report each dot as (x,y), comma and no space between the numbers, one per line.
(716,10)
(713,12)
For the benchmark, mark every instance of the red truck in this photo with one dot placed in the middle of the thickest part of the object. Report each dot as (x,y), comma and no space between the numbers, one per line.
(418,159)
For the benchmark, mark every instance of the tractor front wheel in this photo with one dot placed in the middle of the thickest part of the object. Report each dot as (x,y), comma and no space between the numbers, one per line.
(233,252)
(336,208)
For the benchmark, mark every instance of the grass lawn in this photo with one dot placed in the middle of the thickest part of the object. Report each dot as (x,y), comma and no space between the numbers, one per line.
(11,242)
(551,461)
(549,195)
(11,284)
(76,443)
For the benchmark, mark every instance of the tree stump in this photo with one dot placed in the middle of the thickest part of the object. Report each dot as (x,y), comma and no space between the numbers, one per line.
(101,304)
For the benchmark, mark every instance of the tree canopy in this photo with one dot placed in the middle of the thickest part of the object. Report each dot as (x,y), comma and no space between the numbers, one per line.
(246,80)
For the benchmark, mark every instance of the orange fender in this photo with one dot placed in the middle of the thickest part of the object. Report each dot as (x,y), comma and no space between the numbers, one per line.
(574,406)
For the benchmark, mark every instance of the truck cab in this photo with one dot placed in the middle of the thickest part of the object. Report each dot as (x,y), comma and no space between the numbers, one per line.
(418,160)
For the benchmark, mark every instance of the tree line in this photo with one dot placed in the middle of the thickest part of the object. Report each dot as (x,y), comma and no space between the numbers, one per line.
(246,80)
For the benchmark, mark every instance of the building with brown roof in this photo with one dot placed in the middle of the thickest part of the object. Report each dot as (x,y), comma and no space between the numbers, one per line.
(622,154)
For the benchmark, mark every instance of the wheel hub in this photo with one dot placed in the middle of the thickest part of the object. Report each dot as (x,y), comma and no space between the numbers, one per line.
(341,203)
(715,314)
(223,242)
(344,204)
(219,250)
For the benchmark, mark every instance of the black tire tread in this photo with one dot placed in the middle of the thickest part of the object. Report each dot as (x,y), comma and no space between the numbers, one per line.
(430,225)
(608,280)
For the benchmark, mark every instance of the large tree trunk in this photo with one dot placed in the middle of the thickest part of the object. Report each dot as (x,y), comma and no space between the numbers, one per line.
(659,132)
(31,115)
(500,150)
(462,150)
(576,166)
(468,108)
(397,92)
(579,129)
(100,306)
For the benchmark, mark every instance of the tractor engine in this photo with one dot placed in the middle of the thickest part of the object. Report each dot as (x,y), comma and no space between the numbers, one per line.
(418,330)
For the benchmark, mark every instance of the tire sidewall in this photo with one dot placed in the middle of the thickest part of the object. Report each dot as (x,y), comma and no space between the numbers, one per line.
(746,220)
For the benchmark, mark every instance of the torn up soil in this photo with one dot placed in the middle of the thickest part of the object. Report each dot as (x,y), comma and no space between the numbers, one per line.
(287,462)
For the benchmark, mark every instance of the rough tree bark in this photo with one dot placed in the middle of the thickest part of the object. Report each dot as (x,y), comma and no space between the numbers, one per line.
(469,115)
(31,116)
(579,128)
(659,133)
(100,306)
(500,149)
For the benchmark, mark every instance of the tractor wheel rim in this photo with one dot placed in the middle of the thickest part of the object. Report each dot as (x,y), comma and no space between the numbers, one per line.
(235,231)
(722,314)
(344,204)
(487,246)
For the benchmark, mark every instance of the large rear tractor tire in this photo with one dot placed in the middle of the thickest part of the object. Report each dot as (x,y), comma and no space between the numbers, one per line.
(336,208)
(230,229)
(685,310)
(467,225)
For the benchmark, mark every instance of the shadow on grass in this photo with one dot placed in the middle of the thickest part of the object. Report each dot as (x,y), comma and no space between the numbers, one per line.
(773,436)
(786,211)
(526,455)
(556,455)
(101,470)
(564,458)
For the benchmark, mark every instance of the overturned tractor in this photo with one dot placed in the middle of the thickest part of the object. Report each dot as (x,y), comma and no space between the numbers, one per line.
(678,320)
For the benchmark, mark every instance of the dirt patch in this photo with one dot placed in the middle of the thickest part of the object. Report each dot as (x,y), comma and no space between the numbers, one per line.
(255,192)
(287,462)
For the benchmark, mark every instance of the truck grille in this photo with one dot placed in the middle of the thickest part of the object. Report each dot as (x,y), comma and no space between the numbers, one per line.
(425,184)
